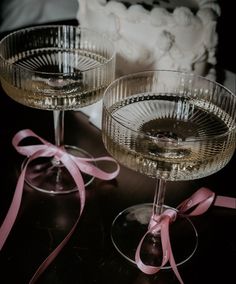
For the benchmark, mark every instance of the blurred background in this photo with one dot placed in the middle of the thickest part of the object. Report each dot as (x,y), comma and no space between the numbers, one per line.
(15,14)
(227,45)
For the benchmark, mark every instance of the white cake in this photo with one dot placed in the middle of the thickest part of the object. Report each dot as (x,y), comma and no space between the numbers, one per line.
(170,34)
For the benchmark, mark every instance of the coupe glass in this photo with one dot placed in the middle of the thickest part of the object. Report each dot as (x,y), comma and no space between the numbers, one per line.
(56,68)
(170,126)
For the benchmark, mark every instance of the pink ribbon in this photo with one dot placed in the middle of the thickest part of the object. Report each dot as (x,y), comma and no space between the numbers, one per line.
(197,204)
(74,165)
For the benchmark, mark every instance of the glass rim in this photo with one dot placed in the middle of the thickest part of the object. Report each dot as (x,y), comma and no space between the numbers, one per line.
(160,139)
(48,26)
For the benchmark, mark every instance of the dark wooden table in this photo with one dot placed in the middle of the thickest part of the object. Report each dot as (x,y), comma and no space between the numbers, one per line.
(89,257)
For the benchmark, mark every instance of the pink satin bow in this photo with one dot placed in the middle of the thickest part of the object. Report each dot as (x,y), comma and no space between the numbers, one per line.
(74,165)
(197,204)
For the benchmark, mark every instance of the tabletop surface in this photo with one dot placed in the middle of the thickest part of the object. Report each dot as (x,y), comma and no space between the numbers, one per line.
(89,257)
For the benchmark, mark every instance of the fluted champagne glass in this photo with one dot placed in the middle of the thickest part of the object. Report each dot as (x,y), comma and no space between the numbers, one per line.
(56,68)
(170,126)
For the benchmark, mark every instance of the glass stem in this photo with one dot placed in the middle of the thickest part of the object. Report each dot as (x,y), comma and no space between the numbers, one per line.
(58,116)
(159,197)
(158,206)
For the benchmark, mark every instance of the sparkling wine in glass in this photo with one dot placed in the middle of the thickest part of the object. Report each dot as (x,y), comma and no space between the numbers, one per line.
(56,68)
(170,126)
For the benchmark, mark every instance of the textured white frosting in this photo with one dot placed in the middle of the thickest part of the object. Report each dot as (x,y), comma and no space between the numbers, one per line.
(159,38)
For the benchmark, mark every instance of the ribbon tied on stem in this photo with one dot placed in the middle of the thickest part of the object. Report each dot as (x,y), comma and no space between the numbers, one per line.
(75,165)
(196,205)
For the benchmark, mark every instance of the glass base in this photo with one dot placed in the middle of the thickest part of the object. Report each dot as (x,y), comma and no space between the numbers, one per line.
(130,226)
(49,176)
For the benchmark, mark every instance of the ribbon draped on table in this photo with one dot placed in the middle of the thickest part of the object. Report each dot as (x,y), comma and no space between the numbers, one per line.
(197,204)
(74,165)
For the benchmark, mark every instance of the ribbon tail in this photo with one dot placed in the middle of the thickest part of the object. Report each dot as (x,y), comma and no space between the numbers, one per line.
(169,251)
(75,173)
(44,265)
(149,269)
(224,201)
(13,210)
